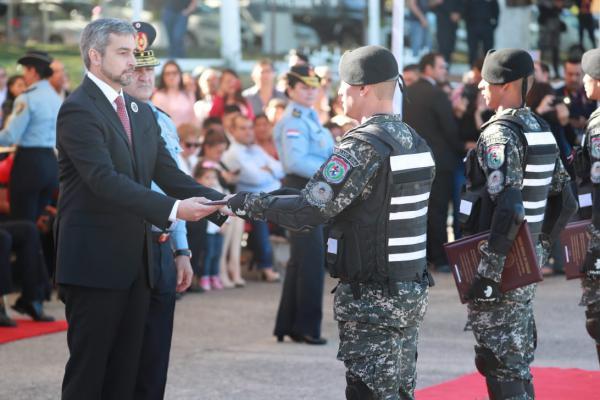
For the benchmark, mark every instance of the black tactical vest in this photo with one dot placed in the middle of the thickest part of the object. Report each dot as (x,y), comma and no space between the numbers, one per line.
(541,153)
(584,160)
(383,237)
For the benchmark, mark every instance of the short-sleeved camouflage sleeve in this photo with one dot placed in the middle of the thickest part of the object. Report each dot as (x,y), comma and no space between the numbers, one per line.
(500,155)
(345,176)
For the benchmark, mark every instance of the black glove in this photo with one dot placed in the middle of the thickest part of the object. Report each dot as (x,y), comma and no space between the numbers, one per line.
(591,264)
(236,203)
(484,290)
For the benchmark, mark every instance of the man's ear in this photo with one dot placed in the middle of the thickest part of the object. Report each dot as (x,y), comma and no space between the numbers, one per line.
(95,56)
(364,90)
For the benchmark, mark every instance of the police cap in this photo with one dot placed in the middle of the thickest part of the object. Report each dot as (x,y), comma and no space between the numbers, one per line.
(368,65)
(39,59)
(146,34)
(303,73)
(590,63)
(506,65)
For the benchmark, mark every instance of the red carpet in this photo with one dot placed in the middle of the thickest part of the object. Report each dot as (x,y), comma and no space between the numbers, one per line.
(26,328)
(550,384)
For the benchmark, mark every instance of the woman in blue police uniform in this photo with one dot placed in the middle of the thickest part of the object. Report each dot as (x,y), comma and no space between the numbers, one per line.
(303,145)
(32,128)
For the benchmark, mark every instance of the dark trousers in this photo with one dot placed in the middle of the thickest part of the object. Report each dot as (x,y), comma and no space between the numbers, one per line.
(446,35)
(196,235)
(33,182)
(156,346)
(212,257)
(437,216)
(479,36)
(22,237)
(106,328)
(176,27)
(261,244)
(301,305)
(587,24)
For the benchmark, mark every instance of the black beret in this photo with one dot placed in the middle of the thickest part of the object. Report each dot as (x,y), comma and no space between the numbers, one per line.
(368,65)
(506,65)
(590,63)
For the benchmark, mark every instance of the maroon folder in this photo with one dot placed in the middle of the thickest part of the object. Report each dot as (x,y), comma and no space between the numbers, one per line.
(574,241)
(520,269)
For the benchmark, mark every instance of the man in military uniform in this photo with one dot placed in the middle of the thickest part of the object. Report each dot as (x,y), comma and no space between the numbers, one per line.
(591,281)
(171,254)
(374,191)
(519,173)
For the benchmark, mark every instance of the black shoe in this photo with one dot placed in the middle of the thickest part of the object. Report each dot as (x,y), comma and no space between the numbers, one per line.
(32,308)
(308,339)
(5,320)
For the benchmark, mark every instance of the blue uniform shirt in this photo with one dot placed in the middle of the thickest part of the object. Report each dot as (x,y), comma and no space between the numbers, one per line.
(168,131)
(302,142)
(32,122)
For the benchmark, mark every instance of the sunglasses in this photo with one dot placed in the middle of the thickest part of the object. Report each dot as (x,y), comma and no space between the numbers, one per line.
(191,145)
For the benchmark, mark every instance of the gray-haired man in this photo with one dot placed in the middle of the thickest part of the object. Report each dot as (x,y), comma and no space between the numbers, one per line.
(110,150)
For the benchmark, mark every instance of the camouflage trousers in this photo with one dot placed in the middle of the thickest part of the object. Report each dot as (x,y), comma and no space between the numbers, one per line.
(379,335)
(507,329)
(591,287)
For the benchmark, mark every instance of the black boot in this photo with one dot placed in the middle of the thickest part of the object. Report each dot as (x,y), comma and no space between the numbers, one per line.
(5,320)
(34,309)
(501,390)
(357,390)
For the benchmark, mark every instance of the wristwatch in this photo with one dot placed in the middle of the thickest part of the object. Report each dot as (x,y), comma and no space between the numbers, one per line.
(183,252)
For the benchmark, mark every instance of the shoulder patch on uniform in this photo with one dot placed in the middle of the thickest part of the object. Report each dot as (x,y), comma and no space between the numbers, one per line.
(595,172)
(336,169)
(296,113)
(20,107)
(494,156)
(347,156)
(495,182)
(292,133)
(318,193)
(595,146)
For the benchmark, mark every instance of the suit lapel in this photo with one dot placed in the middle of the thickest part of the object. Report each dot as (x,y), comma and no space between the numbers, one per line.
(108,111)
(137,135)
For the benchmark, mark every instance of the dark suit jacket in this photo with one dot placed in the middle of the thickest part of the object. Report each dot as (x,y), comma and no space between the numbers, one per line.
(428,110)
(106,206)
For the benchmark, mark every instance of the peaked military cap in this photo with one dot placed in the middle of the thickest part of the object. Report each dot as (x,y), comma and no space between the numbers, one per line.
(303,73)
(506,65)
(590,63)
(368,65)
(146,34)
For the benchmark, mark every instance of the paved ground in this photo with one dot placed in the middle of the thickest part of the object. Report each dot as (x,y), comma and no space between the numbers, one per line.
(223,348)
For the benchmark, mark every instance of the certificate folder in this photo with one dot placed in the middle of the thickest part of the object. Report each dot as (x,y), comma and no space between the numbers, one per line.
(574,241)
(520,269)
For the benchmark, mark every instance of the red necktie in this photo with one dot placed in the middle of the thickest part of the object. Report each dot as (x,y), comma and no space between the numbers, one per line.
(122,112)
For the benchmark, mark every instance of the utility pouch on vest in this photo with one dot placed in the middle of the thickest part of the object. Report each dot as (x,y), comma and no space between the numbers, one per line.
(343,253)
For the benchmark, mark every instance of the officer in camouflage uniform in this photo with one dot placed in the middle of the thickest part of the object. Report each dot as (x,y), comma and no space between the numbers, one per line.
(518,166)
(591,282)
(374,192)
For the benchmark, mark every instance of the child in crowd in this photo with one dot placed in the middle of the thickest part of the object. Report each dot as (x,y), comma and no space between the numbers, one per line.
(207,176)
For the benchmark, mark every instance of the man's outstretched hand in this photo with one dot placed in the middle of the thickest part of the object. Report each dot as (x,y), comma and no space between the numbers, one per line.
(194,209)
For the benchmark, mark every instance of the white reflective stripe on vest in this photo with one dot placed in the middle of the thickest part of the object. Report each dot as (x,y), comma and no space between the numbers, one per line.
(534,204)
(409,199)
(408,214)
(407,256)
(537,182)
(405,241)
(539,167)
(539,138)
(532,219)
(411,161)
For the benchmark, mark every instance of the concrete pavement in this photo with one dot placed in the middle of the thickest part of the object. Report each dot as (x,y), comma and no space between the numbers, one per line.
(223,347)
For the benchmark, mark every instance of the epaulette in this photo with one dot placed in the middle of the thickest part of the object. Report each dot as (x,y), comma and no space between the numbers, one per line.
(30,89)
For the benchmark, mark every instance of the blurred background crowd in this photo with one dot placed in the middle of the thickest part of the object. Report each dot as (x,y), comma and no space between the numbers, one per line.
(221,112)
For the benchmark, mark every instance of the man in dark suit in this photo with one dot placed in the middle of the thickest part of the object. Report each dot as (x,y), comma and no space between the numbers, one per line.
(428,110)
(110,150)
